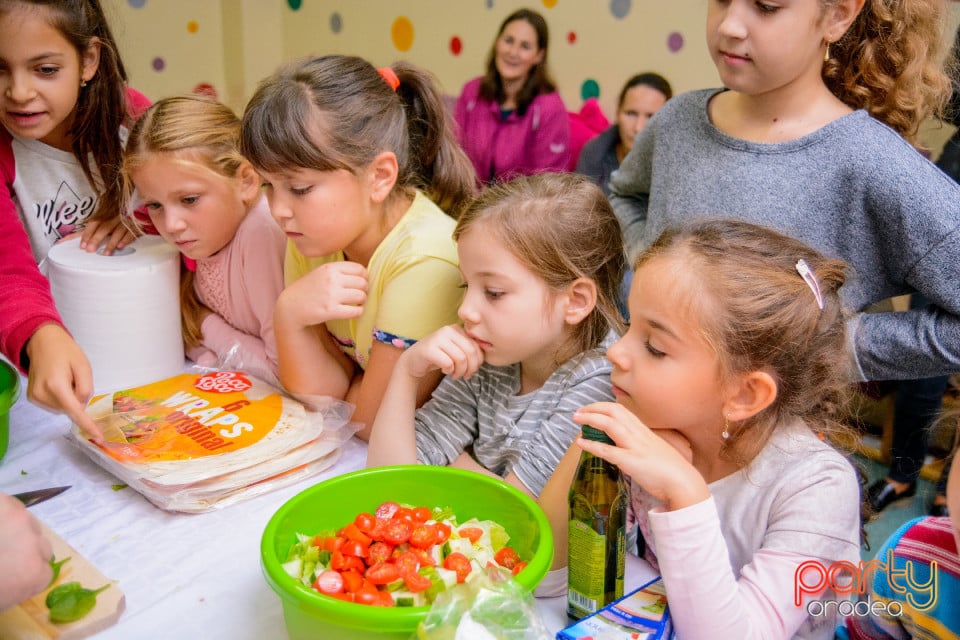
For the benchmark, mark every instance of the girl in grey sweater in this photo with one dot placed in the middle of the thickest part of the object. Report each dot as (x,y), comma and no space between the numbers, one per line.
(813,137)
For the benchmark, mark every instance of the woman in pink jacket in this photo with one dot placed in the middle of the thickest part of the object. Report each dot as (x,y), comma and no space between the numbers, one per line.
(512,121)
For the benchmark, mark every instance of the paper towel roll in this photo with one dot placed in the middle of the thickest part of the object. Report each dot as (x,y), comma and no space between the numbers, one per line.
(123,310)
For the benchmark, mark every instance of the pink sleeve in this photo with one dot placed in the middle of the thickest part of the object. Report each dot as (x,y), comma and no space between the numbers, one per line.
(706,599)
(552,150)
(238,349)
(25,298)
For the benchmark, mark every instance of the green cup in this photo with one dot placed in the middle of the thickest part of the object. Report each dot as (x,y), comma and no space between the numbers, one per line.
(9,392)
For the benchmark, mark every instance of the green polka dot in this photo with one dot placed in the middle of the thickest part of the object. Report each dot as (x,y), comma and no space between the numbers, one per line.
(589,89)
(295,4)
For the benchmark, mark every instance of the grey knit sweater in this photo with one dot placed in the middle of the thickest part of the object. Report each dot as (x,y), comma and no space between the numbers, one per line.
(853,189)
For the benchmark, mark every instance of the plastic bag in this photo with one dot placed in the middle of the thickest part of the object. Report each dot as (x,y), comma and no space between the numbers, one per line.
(491,606)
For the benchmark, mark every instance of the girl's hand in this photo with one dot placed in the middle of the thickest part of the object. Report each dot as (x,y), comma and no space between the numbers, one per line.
(448,349)
(111,233)
(651,461)
(332,291)
(60,377)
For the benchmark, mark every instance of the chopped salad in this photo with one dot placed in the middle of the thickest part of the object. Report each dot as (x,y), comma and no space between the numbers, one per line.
(399,556)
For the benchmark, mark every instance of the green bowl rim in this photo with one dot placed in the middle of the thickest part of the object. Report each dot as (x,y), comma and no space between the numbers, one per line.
(388,617)
(9,395)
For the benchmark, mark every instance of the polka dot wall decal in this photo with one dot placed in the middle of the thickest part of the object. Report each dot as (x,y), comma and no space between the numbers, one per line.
(295,4)
(589,89)
(336,22)
(402,33)
(455,46)
(549,4)
(675,41)
(158,64)
(489,4)
(137,4)
(572,37)
(619,8)
(192,26)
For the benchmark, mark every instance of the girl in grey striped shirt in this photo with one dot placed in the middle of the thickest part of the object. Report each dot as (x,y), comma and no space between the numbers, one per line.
(541,260)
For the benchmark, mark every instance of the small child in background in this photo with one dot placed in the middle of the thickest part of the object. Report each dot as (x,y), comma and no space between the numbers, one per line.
(904,612)
(183,164)
(734,351)
(65,110)
(359,166)
(541,263)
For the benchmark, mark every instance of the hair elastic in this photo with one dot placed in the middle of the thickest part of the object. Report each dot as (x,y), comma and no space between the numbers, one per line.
(390,76)
(807,274)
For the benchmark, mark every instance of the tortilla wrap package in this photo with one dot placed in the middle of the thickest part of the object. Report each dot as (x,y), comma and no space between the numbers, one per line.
(200,441)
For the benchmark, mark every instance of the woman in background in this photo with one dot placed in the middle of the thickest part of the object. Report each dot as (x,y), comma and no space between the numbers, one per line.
(512,121)
(639,99)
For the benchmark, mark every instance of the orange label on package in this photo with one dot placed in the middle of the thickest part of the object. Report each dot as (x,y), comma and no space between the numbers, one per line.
(188,416)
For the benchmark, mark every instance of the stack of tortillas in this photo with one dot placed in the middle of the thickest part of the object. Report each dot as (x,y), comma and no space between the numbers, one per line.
(196,442)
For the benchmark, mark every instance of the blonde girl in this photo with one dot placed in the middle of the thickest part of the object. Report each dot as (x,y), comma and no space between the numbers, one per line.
(732,356)
(65,109)
(541,263)
(812,136)
(359,166)
(183,162)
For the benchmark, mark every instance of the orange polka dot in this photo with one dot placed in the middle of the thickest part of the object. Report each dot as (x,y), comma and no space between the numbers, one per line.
(192,26)
(402,33)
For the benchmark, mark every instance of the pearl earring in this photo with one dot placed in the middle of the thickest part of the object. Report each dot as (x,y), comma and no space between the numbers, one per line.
(725,434)
(83,83)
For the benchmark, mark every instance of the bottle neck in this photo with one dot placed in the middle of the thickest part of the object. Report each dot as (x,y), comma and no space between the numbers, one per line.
(592,433)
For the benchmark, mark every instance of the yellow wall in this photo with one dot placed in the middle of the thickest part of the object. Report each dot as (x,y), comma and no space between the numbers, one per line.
(170,46)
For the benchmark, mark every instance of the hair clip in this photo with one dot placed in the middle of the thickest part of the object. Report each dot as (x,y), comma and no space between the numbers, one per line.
(807,274)
(390,76)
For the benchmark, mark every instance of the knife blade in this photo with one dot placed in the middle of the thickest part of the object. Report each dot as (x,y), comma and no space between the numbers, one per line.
(30,498)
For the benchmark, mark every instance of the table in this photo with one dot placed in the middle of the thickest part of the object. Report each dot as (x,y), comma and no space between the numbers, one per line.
(184,575)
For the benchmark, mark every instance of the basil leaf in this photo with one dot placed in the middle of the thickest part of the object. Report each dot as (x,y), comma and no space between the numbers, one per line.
(69,601)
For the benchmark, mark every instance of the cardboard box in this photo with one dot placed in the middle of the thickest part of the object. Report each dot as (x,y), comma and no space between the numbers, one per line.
(640,615)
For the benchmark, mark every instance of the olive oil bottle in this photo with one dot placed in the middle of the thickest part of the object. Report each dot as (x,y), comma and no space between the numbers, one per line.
(597,532)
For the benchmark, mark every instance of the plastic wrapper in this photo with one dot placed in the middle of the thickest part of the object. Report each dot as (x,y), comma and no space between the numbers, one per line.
(206,439)
(491,606)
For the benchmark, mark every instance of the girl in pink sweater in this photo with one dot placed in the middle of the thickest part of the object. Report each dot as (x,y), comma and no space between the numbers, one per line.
(184,165)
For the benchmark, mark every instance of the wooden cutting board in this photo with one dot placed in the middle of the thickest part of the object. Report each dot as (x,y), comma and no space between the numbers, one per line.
(30,619)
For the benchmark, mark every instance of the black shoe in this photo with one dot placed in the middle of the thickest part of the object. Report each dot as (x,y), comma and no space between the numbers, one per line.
(939,511)
(882,494)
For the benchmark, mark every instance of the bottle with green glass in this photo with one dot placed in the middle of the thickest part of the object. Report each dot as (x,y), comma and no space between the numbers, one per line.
(597,532)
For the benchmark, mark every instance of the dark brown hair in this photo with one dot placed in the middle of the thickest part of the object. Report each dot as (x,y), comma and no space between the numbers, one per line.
(648,79)
(538,81)
(102,103)
(337,112)
(561,227)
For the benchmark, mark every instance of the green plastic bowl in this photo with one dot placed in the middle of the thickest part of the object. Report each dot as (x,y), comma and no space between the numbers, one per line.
(9,392)
(335,502)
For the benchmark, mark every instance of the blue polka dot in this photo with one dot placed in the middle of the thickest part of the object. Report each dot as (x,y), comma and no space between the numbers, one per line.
(137,4)
(619,8)
(336,22)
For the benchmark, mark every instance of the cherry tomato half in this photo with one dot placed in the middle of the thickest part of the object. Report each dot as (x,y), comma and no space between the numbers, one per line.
(459,563)
(471,533)
(506,557)
(386,510)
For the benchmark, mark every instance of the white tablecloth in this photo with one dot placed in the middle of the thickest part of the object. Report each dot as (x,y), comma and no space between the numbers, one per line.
(191,576)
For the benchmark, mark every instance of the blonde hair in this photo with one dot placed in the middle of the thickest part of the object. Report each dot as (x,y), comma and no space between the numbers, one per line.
(890,62)
(759,314)
(210,133)
(561,227)
(337,112)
